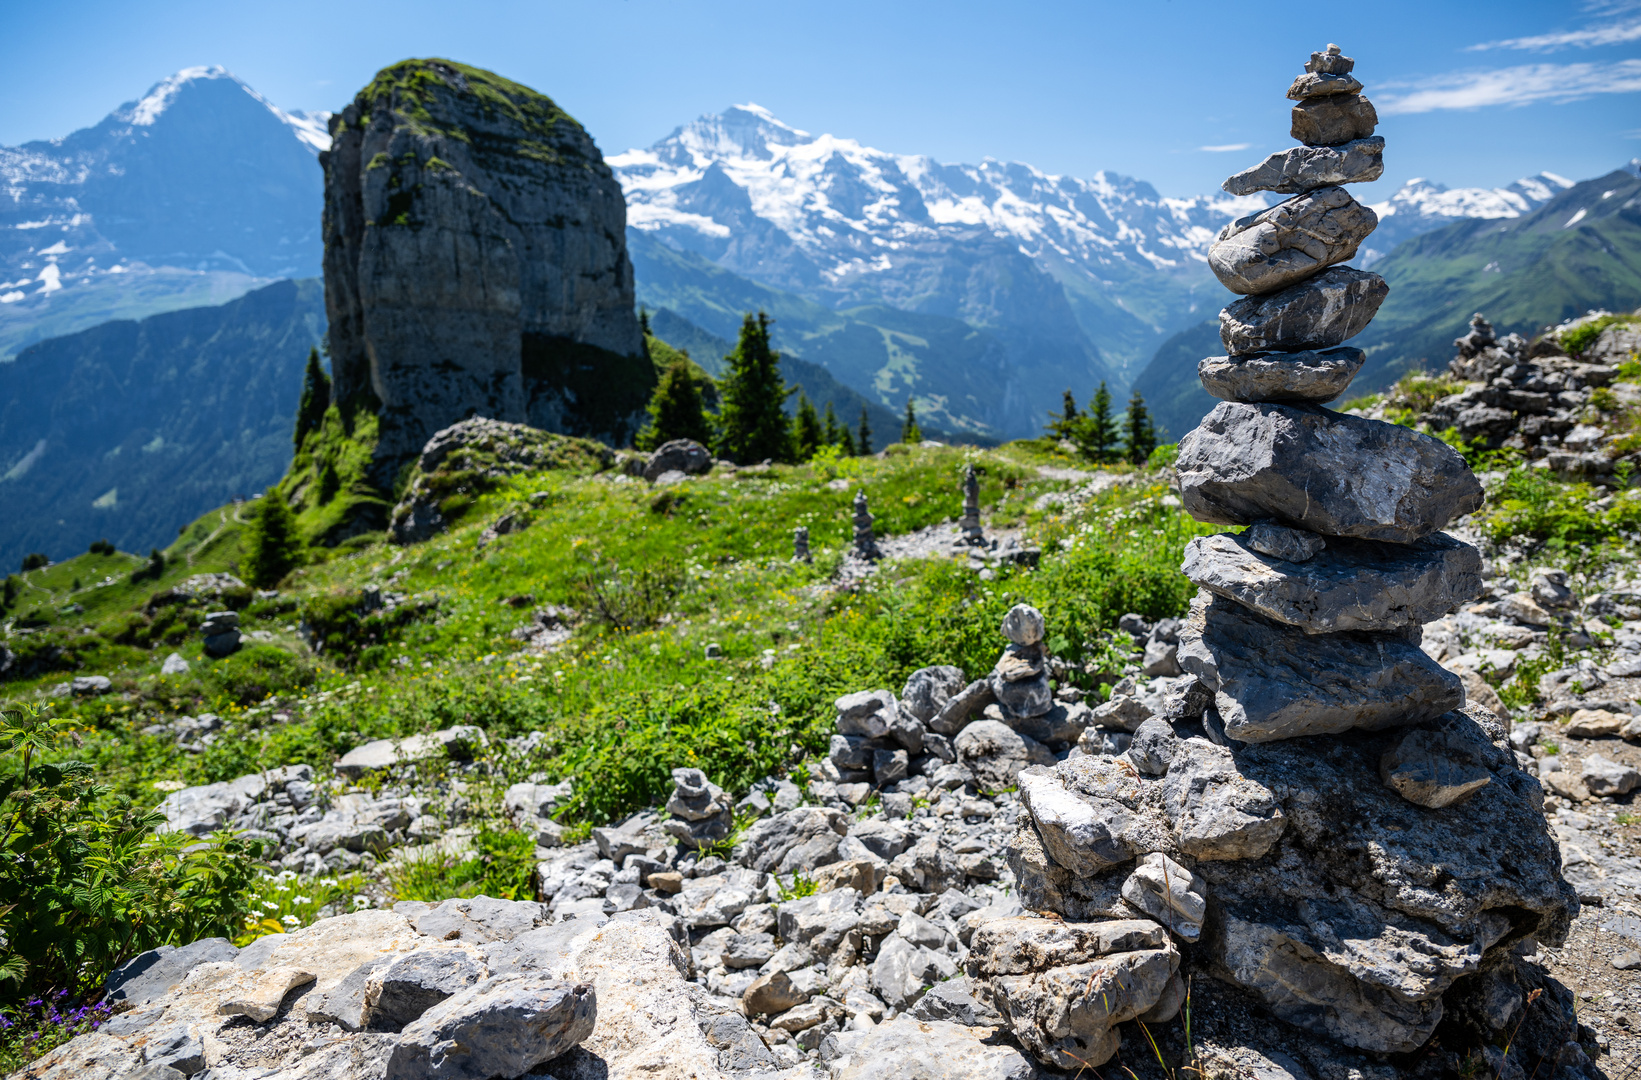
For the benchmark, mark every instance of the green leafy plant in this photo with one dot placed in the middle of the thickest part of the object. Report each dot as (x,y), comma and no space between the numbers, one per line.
(500,864)
(796,888)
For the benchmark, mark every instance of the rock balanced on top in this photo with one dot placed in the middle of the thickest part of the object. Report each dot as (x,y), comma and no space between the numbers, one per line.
(1370,496)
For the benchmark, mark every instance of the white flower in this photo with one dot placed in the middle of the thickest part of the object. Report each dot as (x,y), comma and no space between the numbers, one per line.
(301,899)
(169,785)
(269,905)
(328,883)
(292,921)
(361,901)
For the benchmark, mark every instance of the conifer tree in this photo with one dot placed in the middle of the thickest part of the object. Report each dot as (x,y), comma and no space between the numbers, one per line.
(807,433)
(271,544)
(644,319)
(910,433)
(863,436)
(1140,437)
(752,424)
(310,412)
(1063,425)
(830,431)
(675,410)
(846,441)
(1097,433)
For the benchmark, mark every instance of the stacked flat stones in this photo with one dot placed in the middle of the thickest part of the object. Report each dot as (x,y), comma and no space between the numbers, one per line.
(1310,813)
(1308,622)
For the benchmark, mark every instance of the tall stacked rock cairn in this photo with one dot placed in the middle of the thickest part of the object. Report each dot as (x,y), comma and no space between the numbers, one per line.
(970,525)
(1348,859)
(865,542)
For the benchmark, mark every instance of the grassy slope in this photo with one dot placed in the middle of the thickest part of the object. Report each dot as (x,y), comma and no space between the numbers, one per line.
(621,707)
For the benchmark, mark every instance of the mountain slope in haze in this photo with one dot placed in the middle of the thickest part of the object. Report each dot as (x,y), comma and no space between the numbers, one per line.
(1076,279)
(1422,206)
(193,193)
(126,430)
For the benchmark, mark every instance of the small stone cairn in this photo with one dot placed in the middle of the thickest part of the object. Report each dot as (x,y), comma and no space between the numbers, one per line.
(865,542)
(970,525)
(702,814)
(220,633)
(800,544)
(1309,812)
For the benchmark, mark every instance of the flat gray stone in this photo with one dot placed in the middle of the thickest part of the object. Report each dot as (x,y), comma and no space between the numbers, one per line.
(1333,119)
(1169,893)
(1317,376)
(907,1048)
(964,706)
(1272,681)
(1350,585)
(1323,83)
(995,753)
(1305,168)
(345,1003)
(480,919)
(1290,241)
(1317,313)
(1281,542)
(1328,472)
(503,1027)
(415,983)
(1434,768)
(150,974)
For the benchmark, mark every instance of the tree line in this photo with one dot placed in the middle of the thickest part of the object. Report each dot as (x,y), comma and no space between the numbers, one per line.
(1098,435)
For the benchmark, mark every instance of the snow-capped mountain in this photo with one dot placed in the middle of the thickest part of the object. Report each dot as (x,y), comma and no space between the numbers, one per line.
(193,193)
(1422,205)
(1078,279)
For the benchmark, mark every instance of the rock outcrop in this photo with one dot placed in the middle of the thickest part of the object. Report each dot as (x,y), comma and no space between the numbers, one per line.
(475,262)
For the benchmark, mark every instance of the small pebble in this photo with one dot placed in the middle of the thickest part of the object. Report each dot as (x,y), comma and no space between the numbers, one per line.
(1627,961)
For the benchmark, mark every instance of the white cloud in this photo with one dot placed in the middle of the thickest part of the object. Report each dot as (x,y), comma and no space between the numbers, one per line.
(1616,34)
(1523,85)
(1226,147)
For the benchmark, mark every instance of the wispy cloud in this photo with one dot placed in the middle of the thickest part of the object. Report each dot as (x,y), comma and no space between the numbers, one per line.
(1624,27)
(1523,85)
(1226,147)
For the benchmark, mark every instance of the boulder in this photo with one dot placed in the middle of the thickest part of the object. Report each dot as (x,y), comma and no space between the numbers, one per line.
(803,838)
(1291,241)
(1351,585)
(260,1000)
(1305,168)
(1322,84)
(1318,312)
(411,985)
(1218,813)
(909,1048)
(679,455)
(1333,119)
(459,742)
(1272,681)
(1604,776)
(505,1026)
(1330,473)
(995,753)
(1300,376)
(870,714)
(929,690)
(157,971)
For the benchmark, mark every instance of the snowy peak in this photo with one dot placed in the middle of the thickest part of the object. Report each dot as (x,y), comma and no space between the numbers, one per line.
(311,129)
(1421,197)
(149,108)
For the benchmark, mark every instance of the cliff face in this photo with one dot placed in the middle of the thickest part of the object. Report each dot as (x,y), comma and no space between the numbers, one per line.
(476,261)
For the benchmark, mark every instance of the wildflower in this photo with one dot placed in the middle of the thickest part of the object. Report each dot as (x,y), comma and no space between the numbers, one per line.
(291,921)
(301,899)
(361,901)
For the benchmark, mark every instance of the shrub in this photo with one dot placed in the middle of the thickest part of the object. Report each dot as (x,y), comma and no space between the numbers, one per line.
(34,561)
(101,547)
(627,599)
(85,881)
(271,543)
(152,570)
(253,673)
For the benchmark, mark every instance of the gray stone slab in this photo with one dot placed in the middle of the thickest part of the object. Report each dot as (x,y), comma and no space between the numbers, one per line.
(1316,376)
(150,974)
(1290,241)
(1305,168)
(1333,119)
(1317,313)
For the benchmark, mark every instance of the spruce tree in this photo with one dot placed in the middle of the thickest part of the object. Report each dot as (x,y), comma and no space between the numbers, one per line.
(1063,425)
(644,319)
(807,433)
(829,428)
(846,441)
(675,410)
(1098,432)
(1140,436)
(271,544)
(910,433)
(752,424)
(310,412)
(863,436)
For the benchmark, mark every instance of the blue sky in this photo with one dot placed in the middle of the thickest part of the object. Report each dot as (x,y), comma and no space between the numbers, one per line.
(1469,94)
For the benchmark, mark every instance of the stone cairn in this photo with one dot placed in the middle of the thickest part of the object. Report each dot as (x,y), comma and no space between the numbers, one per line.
(220,633)
(865,542)
(702,814)
(800,544)
(970,525)
(1311,814)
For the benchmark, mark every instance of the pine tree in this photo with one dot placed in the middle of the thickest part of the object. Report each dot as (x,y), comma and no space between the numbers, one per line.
(644,319)
(807,433)
(829,428)
(675,410)
(752,424)
(271,544)
(1140,436)
(310,413)
(863,436)
(1063,425)
(846,441)
(1098,432)
(910,433)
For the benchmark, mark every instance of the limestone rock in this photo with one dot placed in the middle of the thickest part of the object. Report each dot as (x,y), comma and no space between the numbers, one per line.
(261,1000)
(1330,473)
(1322,83)
(1351,585)
(908,1048)
(150,974)
(1023,625)
(415,983)
(1272,681)
(1306,168)
(457,742)
(1217,812)
(475,261)
(1330,61)
(1281,542)
(963,707)
(1317,313)
(480,919)
(1300,376)
(1290,241)
(869,713)
(996,753)
(1603,776)
(680,455)
(1076,831)
(1333,119)
(1169,893)
(771,994)
(503,1027)
(1434,768)
(929,690)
